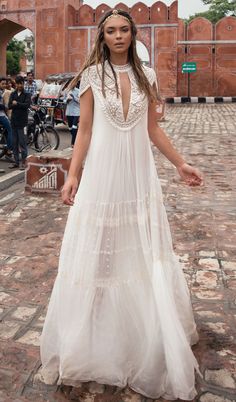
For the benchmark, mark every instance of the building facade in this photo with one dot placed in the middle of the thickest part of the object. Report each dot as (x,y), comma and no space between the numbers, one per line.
(65,34)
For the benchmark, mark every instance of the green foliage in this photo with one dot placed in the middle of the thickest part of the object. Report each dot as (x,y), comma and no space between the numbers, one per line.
(15,50)
(217,10)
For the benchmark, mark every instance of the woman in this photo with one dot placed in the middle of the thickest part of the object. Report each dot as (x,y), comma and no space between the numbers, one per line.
(73,111)
(120,310)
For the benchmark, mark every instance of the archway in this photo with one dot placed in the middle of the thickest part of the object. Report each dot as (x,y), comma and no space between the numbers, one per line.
(8,30)
(27,62)
(143,53)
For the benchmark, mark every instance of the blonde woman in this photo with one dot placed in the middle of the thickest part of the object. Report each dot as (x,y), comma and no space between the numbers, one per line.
(120,311)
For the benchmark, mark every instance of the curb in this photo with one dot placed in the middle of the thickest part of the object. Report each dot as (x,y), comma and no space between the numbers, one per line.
(11,178)
(202,99)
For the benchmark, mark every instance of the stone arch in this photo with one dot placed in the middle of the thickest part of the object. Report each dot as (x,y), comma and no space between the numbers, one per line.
(173,12)
(144,36)
(143,52)
(226,29)
(100,10)
(225,60)
(8,29)
(200,29)
(140,13)
(86,15)
(158,13)
(122,6)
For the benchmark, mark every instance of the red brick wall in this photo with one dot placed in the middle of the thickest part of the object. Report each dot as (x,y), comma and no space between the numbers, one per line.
(157,30)
(216,61)
(64,36)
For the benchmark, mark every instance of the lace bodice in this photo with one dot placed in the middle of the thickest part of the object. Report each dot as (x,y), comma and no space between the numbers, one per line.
(111,105)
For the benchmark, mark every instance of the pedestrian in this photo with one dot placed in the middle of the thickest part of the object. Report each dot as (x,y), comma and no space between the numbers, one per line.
(30,85)
(6,95)
(4,121)
(73,111)
(120,310)
(19,103)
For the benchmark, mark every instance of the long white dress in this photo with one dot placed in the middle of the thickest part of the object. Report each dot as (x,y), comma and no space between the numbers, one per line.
(120,310)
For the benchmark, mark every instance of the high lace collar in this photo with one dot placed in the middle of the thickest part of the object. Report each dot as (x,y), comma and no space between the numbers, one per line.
(122,68)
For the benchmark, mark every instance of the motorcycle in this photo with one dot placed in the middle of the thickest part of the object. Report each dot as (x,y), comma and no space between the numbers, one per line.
(3,141)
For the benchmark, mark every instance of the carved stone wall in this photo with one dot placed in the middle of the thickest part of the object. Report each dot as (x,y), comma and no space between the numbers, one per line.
(157,30)
(65,35)
(213,48)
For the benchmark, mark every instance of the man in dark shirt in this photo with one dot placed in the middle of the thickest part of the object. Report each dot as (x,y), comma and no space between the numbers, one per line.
(19,102)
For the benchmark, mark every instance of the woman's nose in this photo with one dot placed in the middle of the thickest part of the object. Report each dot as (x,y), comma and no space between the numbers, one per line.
(118,34)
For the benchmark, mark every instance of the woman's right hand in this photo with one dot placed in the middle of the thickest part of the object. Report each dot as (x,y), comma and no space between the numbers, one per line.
(69,190)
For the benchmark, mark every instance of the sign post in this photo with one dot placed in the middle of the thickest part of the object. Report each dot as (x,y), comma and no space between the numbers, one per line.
(188,68)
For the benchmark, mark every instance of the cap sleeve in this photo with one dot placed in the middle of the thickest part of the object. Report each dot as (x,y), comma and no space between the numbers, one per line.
(84,82)
(153,79)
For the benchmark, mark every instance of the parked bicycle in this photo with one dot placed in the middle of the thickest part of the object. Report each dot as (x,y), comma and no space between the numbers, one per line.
(41,136)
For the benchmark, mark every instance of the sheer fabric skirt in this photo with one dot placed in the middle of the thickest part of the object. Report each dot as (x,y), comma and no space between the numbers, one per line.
(120,310)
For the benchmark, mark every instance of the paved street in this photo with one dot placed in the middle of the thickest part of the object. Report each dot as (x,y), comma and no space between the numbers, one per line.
(204,233)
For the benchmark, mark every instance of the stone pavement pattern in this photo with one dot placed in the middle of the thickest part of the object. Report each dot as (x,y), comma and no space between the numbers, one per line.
(204,232)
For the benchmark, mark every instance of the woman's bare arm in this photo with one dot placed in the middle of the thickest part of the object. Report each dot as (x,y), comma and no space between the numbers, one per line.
(188,173)
(81,146)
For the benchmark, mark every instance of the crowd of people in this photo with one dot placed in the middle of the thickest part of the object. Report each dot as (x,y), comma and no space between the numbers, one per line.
(16,96)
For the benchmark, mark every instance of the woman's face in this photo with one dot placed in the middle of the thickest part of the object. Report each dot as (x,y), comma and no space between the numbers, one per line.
(117,35)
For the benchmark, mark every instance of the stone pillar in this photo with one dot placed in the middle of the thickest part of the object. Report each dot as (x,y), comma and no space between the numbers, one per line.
(50,38)
(3,62)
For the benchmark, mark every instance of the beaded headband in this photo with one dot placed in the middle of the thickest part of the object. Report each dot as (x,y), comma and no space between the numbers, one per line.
(115,14)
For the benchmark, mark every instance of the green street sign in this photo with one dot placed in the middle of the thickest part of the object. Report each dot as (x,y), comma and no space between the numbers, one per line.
(189,67)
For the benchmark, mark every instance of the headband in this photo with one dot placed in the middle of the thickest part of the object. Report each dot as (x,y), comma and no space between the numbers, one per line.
(115,14)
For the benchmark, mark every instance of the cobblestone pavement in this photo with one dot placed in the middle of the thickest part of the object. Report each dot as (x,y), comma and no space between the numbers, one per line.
(204,233)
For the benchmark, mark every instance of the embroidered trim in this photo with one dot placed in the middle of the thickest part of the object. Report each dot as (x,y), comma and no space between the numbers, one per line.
(111,105)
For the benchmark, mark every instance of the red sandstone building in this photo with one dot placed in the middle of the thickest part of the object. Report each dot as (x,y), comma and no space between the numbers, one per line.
(64,33)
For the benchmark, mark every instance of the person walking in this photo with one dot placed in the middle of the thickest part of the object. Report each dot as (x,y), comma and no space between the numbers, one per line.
(73,111)
(120,310)
(19,103)
(4,121)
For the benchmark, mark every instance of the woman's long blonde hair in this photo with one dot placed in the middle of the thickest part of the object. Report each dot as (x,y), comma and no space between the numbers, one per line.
(100,54)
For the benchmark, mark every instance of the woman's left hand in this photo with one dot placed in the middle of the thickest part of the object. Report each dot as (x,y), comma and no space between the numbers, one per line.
(190,175)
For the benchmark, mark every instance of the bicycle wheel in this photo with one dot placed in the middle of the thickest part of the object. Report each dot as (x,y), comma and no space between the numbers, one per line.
(48,138)
(3,142)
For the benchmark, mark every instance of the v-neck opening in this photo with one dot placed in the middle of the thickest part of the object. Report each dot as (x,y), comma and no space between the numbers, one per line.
(125,116)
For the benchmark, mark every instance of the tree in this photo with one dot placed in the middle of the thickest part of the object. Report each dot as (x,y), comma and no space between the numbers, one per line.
(15,50)
(217,10)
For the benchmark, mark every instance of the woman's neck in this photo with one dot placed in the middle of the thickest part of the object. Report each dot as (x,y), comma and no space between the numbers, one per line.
(119,59)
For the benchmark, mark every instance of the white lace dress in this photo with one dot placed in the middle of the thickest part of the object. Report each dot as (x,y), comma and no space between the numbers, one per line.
(120,310)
